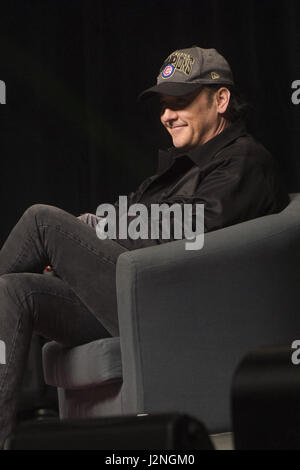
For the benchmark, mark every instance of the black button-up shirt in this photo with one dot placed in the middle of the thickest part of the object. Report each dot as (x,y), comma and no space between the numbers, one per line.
(233,175)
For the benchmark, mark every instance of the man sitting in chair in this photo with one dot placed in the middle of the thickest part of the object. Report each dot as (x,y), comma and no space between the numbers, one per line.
(213,161)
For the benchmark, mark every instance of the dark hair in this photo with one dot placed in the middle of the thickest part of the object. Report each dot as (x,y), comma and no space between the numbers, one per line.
(237,108)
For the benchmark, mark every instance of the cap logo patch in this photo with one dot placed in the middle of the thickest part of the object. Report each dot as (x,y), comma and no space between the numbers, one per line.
(214,75)
(168,71)
(180,61)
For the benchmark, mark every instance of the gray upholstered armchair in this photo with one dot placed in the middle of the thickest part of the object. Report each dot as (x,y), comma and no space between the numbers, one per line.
(186,320)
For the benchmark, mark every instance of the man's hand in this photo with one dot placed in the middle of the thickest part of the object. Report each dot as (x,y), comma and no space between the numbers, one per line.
(89,219)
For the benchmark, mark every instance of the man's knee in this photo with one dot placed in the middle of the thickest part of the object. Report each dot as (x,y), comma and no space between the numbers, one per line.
(42,215)
(39,210)
(16,287)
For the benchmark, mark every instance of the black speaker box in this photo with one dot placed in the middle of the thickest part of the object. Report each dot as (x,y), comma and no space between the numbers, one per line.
(161,431)
(266,401)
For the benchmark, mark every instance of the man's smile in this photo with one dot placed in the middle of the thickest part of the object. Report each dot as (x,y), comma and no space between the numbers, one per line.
(176,126)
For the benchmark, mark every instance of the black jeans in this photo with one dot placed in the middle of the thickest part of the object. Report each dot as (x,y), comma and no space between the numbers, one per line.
(76,306)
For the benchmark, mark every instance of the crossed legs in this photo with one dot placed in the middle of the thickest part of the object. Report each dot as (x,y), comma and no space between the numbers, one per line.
(76,306)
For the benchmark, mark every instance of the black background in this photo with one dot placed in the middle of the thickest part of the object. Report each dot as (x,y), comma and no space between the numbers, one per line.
(73,133)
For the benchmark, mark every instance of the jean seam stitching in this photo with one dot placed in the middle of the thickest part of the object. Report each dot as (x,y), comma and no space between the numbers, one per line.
(75,239)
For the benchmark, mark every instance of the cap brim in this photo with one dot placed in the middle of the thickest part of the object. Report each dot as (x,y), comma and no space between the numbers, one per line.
(180,89)
(171,89)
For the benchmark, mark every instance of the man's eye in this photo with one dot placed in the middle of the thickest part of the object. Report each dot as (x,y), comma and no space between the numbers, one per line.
(177,105)
(181,103)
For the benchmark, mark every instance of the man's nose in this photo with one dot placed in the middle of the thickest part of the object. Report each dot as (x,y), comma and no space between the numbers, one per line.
(168,114)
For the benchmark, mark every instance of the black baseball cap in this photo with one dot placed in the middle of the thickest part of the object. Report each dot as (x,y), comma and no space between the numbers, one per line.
(185,70)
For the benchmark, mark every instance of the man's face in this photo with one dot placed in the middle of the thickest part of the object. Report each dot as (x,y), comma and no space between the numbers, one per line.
(191,120)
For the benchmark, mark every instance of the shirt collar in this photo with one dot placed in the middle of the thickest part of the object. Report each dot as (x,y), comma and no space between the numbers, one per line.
(206,152)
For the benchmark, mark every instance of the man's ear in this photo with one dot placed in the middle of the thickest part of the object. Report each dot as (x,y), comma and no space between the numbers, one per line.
(223,98)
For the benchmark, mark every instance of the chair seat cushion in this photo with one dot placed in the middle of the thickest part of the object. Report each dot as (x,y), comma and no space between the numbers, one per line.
(93,364)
